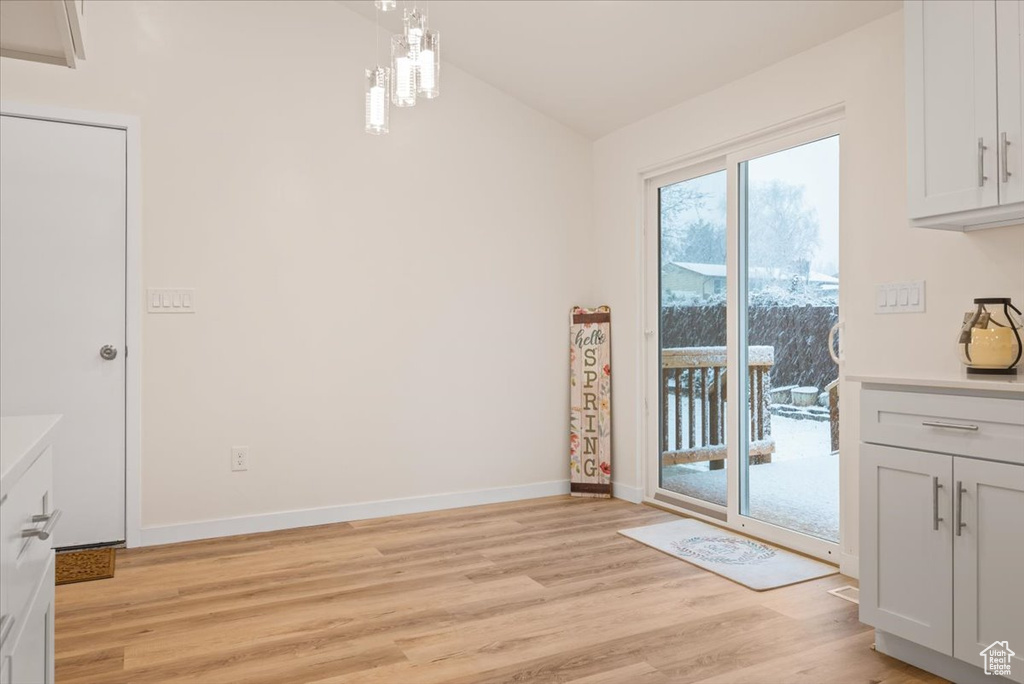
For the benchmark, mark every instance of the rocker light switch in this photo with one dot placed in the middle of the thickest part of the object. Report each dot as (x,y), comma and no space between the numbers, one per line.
(892,298)
(177,300)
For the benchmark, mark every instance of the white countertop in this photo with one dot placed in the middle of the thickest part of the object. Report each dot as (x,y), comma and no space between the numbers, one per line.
(1010,385)
(22,439)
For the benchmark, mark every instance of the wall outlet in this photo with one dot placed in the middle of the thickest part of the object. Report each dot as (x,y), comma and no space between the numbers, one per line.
(240,458)
(894,298)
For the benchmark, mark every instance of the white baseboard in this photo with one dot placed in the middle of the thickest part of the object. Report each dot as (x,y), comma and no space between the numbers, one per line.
(849,565)
(268,522)
(630,494)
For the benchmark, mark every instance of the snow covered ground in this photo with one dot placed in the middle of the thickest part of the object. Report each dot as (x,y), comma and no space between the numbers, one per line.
(799,489)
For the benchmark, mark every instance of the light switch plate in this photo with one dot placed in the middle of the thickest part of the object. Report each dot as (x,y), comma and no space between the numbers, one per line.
(893,298)
(171,300)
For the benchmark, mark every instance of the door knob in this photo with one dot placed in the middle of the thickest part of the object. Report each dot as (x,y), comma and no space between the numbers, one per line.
(108,353)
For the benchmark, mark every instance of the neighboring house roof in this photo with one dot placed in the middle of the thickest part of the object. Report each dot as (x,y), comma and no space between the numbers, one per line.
(718,271)
(709,270)
(1003,646)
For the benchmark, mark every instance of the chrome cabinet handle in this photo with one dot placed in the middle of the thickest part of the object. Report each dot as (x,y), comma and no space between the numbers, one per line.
(935,503)
(108,352)
(1005,174)
(981,163)
(951,426)
(47,529)
(6,623)
(960,524)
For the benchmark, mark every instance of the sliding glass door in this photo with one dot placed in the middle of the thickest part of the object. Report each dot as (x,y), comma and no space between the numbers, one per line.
(789,232)
(692,218)
(744,380)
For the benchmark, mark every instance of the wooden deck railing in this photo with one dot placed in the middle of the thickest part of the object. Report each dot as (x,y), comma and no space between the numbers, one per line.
(694,378)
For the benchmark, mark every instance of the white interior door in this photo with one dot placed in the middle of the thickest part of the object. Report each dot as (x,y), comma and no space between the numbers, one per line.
(62,299)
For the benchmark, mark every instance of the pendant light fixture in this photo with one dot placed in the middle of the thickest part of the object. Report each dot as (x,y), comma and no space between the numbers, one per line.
(429,67)
(403,87)
(378,81)
(415,69)
(378,87)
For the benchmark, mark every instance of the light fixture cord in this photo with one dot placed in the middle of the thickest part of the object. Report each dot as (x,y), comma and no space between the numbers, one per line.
(376,33)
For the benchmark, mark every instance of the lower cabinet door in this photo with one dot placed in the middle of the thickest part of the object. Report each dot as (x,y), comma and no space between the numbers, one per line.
(906,572)
(988,565)
(31,658)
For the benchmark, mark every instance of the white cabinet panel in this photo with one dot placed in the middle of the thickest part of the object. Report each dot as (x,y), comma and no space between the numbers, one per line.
(951,106)
(988,560)
(906,578)
(31,657)
(1010,58)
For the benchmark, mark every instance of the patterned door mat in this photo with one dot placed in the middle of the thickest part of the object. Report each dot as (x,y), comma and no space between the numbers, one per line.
(735,557)
(85,566)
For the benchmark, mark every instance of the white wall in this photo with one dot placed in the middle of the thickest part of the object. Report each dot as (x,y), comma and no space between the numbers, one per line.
(864,70)
(378,317)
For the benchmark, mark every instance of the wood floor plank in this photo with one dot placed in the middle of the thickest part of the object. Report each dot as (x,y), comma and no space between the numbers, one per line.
(529,591)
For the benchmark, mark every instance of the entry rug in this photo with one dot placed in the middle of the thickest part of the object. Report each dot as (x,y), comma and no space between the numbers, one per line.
(85,566)
(740,559)
(590,397)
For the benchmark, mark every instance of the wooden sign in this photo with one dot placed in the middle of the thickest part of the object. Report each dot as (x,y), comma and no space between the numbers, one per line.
(590,402)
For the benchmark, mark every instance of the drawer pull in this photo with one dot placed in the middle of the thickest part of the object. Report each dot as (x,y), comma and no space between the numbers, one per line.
(6,623)
(47,529)
(935,503)
(951,426)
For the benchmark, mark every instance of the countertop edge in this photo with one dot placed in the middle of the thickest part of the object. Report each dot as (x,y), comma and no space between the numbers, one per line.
(1008,388)
(30,450)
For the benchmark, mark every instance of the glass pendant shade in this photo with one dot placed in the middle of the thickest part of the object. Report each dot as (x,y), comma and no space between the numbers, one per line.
(377,100)
(386,5)
(403,77)
(415,27)
(429,70)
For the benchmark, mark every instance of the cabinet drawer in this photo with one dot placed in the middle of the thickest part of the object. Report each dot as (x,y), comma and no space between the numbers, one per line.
(24,558)
(952,424)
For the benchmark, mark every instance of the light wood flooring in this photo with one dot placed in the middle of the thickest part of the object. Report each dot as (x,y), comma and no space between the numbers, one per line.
(531,591)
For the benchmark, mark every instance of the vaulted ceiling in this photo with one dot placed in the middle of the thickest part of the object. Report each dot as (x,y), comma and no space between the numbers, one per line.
(597,65)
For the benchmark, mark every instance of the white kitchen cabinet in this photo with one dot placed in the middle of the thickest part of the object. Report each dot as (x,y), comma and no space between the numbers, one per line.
(31,657)
(942,522)
(27,522)
(964,115)
(1010,86)
(48,31)
(988,559)
(905,505)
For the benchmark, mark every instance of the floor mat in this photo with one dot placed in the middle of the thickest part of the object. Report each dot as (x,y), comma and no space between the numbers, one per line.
(85,566)
(747,561)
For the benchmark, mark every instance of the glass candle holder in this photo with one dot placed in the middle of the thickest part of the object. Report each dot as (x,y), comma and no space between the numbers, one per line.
(990,337)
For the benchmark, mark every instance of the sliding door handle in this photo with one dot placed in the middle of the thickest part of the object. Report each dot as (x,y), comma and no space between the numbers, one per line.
(935,503)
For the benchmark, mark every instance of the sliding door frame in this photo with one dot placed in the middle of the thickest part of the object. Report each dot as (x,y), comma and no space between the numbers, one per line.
(729,156)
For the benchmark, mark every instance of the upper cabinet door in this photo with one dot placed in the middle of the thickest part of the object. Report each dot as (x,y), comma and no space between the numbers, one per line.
(988,560)
(951,106)
(1010,70)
